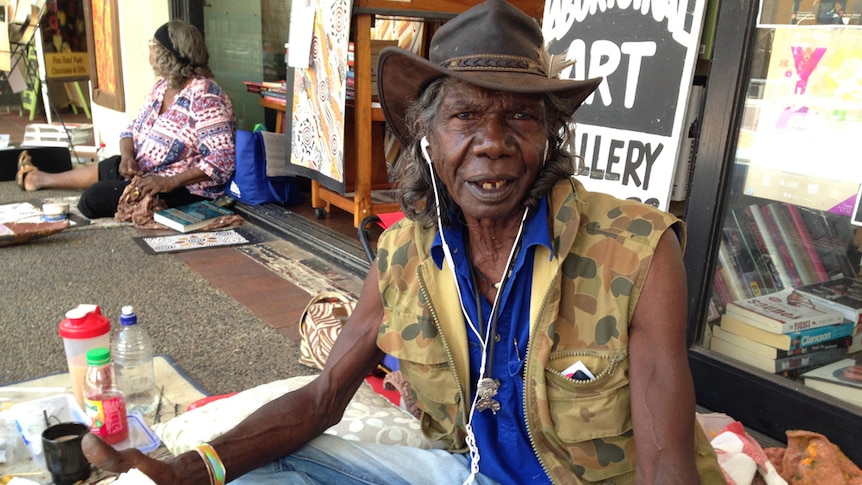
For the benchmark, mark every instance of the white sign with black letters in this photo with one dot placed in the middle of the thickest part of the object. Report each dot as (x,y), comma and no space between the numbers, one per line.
(630,130)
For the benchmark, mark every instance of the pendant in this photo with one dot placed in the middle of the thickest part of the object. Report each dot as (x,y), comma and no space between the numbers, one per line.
(487,388)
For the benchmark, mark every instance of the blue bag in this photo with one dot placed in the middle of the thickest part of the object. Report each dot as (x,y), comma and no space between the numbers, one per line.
(249,183)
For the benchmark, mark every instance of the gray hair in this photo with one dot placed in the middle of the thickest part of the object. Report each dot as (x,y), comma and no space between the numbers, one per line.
(189,42)
(413,176)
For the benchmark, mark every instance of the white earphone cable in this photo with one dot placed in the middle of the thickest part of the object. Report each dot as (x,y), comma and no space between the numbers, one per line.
(470,438)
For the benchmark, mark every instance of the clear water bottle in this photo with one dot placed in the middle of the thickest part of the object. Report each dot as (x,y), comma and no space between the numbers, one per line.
(133,360)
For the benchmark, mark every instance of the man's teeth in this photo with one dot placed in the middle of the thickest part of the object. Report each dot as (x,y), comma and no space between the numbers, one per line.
(492,185)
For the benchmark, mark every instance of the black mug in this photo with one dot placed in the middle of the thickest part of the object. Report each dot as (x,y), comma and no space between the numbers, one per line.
(64,458)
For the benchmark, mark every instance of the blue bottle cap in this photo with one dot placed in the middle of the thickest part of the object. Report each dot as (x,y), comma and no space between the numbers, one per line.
(128,316)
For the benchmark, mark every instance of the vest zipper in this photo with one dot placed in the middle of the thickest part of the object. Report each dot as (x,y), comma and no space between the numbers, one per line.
(449,358)
(527,366)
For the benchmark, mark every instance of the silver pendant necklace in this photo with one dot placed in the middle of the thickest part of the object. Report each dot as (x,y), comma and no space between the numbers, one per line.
(487,387)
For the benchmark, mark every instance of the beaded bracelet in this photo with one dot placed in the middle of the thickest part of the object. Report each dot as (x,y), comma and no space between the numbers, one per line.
(215,467)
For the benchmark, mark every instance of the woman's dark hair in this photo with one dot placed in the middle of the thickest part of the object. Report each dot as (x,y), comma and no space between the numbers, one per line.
(189,43)
(413,177)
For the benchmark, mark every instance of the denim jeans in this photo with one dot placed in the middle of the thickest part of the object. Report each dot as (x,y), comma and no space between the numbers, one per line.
(333,460)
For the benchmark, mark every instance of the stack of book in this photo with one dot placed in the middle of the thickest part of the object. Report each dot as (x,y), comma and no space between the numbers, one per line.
(843,295)
(272,91)
(784,333)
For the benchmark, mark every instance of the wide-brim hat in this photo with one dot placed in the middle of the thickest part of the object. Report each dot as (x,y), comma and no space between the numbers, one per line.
(492,45)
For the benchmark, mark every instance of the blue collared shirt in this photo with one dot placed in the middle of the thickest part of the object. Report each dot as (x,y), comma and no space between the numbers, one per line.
(504,446)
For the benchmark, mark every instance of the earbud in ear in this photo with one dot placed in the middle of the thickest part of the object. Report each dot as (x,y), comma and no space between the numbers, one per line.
(545,155)
(423,144)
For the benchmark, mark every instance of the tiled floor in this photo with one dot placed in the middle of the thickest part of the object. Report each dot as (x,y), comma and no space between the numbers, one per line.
(275,279)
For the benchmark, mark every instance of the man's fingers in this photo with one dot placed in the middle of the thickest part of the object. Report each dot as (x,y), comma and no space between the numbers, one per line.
(103,455)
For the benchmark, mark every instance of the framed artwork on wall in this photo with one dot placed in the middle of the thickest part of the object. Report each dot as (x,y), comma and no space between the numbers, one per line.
(103,42)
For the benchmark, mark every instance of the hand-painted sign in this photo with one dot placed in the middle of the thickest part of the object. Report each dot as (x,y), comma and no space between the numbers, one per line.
(630,130)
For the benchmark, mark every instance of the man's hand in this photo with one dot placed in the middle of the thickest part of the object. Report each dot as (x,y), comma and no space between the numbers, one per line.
(105,457)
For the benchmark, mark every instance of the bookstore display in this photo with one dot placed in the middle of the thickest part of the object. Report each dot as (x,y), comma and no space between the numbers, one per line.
(786,292)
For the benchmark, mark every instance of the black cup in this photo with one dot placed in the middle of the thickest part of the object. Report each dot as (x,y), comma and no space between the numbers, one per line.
(64,458)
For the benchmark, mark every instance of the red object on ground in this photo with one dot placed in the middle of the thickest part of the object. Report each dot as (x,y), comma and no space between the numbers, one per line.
(207,400)
(377,384)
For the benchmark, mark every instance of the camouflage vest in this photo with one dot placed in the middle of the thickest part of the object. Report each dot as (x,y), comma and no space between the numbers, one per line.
(580,306)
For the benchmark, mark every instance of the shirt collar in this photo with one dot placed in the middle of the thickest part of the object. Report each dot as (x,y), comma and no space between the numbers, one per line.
(536,233)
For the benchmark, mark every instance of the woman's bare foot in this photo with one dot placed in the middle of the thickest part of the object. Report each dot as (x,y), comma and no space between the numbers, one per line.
(24,177)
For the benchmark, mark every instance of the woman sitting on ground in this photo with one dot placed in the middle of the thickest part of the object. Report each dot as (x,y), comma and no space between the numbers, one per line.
(180,146)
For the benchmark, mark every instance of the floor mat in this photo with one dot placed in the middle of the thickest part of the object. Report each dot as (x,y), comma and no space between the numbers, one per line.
(194,240)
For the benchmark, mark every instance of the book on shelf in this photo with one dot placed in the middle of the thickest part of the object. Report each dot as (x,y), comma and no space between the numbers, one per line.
(258,86)
(843,295)
(748,235)
(743,264)
(782,364)
(276,85)
(767,235)
(841,379)
(688,144)
(720,293)
(252,86)
(275,99)
(790,236)
(759,249)
(806,242)
(831,235)
(783,311)
(729,273)
(783,250)
(191,217)
(771,352)
(787,341)
(856,343)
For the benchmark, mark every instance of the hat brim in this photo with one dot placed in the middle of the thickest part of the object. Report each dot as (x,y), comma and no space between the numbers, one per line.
(402,75)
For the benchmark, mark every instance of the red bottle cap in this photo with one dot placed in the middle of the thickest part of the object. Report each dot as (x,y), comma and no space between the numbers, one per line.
(83,322)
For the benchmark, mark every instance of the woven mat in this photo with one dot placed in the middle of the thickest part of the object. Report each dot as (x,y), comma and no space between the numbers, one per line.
(178,391)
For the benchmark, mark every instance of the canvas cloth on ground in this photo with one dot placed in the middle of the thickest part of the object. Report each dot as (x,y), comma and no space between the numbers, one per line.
(368,417)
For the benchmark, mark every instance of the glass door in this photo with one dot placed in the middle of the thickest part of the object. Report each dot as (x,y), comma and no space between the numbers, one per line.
(776,302)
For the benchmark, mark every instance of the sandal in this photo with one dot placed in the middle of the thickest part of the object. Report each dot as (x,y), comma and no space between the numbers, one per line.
(25,166)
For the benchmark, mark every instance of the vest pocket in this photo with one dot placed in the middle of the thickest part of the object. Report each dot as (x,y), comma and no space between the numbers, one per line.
(592,418)
(437,394)
(594,408)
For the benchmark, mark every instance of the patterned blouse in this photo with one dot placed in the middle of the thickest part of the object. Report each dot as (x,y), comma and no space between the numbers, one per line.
(197,130)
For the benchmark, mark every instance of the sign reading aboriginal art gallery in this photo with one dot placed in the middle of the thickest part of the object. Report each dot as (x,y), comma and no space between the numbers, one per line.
(630,130)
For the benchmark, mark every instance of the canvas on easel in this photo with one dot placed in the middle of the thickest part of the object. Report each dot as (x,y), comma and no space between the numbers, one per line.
(317,121)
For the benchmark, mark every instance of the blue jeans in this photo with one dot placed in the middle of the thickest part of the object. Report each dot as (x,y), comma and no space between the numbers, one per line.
(333,460)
